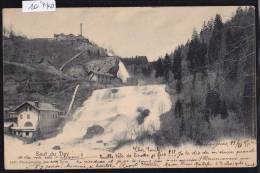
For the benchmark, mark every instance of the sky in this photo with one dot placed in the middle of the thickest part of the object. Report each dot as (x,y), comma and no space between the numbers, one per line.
(128,31)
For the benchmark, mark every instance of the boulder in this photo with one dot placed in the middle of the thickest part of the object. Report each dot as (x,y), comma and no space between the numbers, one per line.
(114,90)
(143,113)
(93,131)
(99,141)
(56,147)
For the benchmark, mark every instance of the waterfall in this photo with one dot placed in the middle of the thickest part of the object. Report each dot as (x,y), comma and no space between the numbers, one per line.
(122,72)
(117,111)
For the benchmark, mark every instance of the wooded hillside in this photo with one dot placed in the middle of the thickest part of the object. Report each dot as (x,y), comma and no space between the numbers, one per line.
(213,83)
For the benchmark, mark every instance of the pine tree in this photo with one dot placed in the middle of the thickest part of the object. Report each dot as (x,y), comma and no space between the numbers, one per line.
(177,66)
(194,34)
(201,58)
(216,40)
(159,72)
(192,51)
(196,56)
(210,23)
(166,67)
(178,110)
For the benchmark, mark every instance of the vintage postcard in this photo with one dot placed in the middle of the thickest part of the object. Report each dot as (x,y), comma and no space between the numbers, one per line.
(129,87)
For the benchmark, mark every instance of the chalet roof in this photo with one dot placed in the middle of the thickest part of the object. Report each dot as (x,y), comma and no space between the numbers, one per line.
(40,106)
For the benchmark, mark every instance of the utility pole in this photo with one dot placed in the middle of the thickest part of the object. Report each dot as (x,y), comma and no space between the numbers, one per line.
(81,29)
(72,101)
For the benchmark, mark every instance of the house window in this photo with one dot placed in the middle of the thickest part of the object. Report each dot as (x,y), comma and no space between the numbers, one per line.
(28,116)
(27,133)
(21,116)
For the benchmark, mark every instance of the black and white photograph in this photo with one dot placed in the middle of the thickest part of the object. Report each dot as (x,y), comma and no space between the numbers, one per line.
(130,87)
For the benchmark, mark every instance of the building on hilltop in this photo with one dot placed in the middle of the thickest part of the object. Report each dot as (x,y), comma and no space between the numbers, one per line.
(71,38)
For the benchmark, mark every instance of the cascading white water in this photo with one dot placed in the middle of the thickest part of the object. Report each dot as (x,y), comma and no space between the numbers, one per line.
(122,72)
(116,110)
